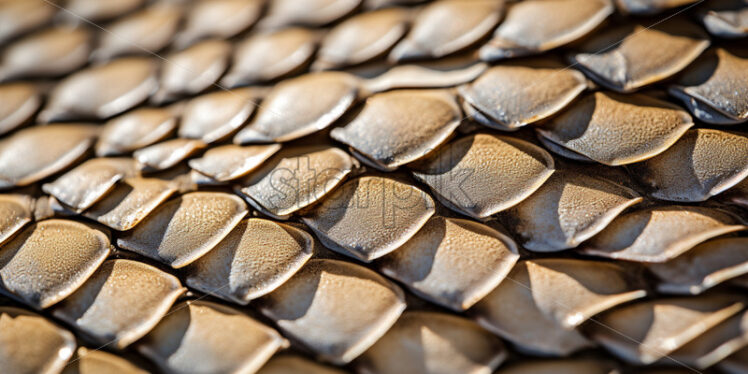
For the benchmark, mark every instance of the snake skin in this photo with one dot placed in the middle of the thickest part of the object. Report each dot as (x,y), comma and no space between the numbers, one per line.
(373,186)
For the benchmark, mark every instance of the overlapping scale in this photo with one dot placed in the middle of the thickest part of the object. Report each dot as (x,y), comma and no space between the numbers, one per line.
(18,102)
(193,70)
(167,154)
(428,342)
(737,195)
(134,130)
(35,153)
(645,332)
(716,344)
(229,162)
(180,215)
(216,115)
(300,106)
(255,258)
(703,163)
(541,302)
(49,260)
(659,234)
(512,312)
(714,88)
(48,53)
(130,202)
(362,38)
(370,216)
(90,181)
(31,344)
(183,229)
(15,212)
(266,56)
(483,174)
(442,73)
(21,16)
(452,262)
(725,18)
(640,55)
(703,267)
(568,209)
(614,130)
(120,303)
(535,26)
(448,26)
(102,91)
(201,336)
(144,32)
(181,178)
(338,311)
(296,178)
(398,127)
(219,19)
(572,291)
(510,96)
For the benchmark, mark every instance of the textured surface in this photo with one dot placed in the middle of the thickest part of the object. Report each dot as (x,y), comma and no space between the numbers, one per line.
(296,178)
(469,22)
(337,309)
(255,258)
(717,81)
(521,321)
(703,267)
(90,181)
(618,130)
(232,161)
(674,322)
(130,202)
(19,102)
(700,165)
(646,54)
(23,163)
(535,90)
(200,336)
(30,344)
(49,260)
(568,209)
(554,23)
(102,91)
(300,106)
(484,174)
(16,212)
(422,342)
(121,302)
(373,186)
(370,216)
(185,228)
(397,127)
(659,234)
(215,116)
(134,130)
(452,262)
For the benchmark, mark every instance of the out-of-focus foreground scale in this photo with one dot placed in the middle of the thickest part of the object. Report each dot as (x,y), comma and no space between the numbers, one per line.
(373,186)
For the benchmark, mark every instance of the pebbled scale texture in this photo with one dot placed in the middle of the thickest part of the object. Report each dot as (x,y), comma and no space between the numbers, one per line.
(373,186)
